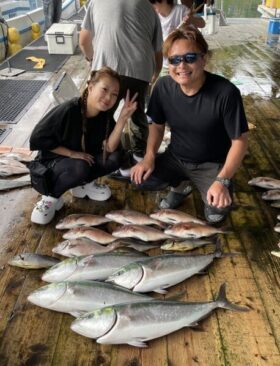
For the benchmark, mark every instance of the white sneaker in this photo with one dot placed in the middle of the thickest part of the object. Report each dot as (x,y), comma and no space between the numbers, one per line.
(94,191)
(44,210)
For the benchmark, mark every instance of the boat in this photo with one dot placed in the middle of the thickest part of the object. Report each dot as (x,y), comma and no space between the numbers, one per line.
(30,335)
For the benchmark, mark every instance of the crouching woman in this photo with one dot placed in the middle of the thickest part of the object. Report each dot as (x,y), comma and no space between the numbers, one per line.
(77,142)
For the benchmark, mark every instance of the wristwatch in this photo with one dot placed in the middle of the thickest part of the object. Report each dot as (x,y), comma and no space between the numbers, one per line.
(225,181)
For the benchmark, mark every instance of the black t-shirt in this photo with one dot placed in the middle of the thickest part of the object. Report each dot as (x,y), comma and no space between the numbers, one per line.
(203,125)
(62,126)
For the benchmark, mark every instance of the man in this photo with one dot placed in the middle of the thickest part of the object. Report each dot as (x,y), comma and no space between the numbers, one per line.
(126,36)
(52,12)
(208,128)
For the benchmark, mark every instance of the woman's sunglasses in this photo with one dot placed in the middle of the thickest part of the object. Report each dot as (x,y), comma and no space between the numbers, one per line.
(189,58)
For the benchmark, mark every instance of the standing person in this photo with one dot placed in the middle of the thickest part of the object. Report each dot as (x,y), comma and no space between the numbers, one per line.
(78,142)
(126,36)
(171,16)
(208,128)
(52,12)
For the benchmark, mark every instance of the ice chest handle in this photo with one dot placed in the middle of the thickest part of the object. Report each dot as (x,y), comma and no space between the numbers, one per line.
(59,38)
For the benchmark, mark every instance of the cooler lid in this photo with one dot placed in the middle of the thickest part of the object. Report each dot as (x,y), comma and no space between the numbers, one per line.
(64,28)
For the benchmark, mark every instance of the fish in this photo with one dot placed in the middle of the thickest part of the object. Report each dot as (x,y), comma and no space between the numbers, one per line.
(277,228)
(26,158)
(141,232)
(7,170)
(83,246)
(77,220)
(192,230)
(160,272)
(185,245)
(33,261)
(80,297)
(275,204)
(92,267)
(137,323)
(278,217)
(11,162)
(276,253)
(126,217)
(271,195)
(6,184)
(265,182)
(100,236)
(171,216)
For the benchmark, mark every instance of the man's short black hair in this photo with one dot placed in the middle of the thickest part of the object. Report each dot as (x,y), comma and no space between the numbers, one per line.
(160,1)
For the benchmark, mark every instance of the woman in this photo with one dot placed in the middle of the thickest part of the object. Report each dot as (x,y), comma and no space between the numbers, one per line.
(78,142)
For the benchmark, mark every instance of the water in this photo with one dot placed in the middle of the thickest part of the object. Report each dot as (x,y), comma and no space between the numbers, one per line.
(239,8)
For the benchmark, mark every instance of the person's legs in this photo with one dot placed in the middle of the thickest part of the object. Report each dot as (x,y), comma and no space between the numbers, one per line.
(48,13)
(57,10)
(202,176)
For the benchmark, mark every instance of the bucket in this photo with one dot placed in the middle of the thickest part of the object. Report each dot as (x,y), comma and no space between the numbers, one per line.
(273,32)
(210,19)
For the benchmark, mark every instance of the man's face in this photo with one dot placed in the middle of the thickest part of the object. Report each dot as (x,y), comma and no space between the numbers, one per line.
(187,75)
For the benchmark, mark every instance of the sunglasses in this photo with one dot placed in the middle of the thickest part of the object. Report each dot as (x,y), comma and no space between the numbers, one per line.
(189,58)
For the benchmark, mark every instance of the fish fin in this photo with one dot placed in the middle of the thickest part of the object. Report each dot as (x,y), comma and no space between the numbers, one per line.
(160,291)
(223,302)
(202,273)
(77,314)
(137,343)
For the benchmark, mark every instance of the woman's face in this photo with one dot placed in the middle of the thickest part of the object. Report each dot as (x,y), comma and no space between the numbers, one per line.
(102,95)
(187,75)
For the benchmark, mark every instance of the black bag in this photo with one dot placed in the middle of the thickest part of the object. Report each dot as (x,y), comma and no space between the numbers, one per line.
(40,177)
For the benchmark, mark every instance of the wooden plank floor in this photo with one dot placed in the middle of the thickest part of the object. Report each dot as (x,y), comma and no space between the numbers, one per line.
(30,335)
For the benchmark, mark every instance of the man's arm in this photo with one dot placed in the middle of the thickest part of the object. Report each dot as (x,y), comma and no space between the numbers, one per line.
(218,195)
(143,170)
(158,62)
(85,42)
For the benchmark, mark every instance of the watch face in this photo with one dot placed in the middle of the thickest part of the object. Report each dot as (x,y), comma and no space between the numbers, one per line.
(224,181)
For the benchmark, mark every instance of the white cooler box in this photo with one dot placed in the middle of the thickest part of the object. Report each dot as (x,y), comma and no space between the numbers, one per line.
(62,38)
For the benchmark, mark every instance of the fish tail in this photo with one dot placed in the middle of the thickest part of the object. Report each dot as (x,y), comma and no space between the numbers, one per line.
(219,253)
(223,302)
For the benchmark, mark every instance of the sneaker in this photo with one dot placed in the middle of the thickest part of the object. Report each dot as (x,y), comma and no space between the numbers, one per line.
(212,216)
(44,210)
(175,199)
(94,191)
(151,184)
(120,174)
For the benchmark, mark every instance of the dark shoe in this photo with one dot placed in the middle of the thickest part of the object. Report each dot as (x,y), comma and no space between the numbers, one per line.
(118,176)
(151,184)
(214,215)
(175,199)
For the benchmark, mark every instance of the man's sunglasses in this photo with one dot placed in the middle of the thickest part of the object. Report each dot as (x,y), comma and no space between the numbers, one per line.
(189,58)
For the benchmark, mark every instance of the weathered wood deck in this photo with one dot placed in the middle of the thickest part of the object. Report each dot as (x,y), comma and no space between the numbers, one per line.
(31,336)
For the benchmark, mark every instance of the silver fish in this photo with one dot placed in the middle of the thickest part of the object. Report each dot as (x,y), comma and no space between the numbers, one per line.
(126,217)
(265,182)
(33,261)
(192,230)
(6,184)
(100,236)
(185,245)
(77,220)
(271,195)
(276,253)
(137,323)
(171,216)
(160,272)
(275,204)
(278,217)
(277,228)
(141,232)
(80,297)
(92,267)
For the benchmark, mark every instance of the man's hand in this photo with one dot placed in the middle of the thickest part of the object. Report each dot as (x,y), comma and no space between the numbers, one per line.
(218,195)
(142,170)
